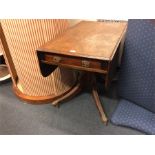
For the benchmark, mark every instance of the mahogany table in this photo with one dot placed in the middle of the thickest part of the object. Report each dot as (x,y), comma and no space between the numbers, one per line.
(88,46)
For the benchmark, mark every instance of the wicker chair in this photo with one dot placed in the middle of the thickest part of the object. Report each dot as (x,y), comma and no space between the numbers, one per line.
(20,38)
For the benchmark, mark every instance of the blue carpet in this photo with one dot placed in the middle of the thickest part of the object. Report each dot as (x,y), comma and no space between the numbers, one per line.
(78,116)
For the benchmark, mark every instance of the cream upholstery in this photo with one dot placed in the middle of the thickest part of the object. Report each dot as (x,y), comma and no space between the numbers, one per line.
(23,37)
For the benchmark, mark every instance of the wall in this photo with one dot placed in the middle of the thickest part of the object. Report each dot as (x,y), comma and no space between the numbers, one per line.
(72,22)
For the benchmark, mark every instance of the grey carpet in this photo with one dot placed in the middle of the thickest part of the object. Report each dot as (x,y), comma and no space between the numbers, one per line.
(78,116)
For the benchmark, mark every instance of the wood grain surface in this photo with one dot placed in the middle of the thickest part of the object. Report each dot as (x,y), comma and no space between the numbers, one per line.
(96,40)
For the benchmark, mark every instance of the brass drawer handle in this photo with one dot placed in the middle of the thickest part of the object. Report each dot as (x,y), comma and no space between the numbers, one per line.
(85,63)
(56,59)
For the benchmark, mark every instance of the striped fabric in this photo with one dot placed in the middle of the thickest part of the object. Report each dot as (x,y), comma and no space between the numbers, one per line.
(24,36)
(1,47)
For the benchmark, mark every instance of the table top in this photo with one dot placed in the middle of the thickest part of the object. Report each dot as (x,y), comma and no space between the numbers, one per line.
(89,39)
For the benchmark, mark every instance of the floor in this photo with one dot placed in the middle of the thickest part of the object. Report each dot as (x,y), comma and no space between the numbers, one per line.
(79,116)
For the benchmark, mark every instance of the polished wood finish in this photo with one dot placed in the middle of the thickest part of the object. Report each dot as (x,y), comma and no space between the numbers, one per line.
(32,99)
(96,40)
(89,46)
(67,96)
(97,99)
(91,64)
(78,63)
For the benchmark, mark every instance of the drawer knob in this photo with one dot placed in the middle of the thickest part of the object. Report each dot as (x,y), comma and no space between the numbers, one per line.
(56,59)
(85,63)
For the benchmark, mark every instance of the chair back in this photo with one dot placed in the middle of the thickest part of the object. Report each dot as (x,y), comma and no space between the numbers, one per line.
(23,37)
(137,75)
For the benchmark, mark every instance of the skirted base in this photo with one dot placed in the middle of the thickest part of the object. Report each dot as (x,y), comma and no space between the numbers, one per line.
(54,99)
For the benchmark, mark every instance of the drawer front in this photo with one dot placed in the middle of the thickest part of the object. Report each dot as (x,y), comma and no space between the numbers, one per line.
(77,62)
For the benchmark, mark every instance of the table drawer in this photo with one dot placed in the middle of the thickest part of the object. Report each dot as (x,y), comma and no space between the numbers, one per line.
(77,62)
